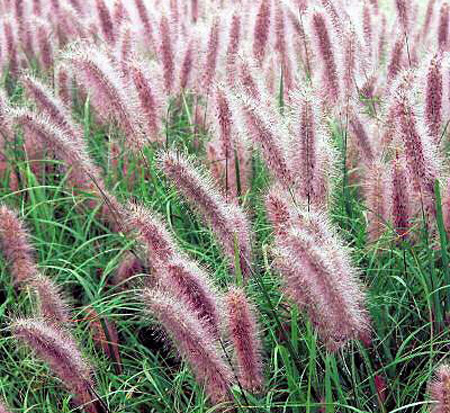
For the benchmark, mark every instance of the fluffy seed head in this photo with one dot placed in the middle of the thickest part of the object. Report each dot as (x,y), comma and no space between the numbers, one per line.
(111,96)
(321,279)
(261,31)
(187,281)
(212,54)
(228,221)
(159,243)
(400,209)
(195,343)
(325,52)
(440,390)
(51,106)
(166,53)
(16,246)
(433,98)
(60,352)
(51,305)
(443,26)
(244,335)
(421,171)
(106,21)
(150,102)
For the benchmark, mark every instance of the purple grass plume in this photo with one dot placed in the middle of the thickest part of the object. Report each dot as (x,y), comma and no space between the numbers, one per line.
(60,352)
(51,305)
(265,129)
(152,233)
(309,149)
(106,21)
(149,98)
(16,246)
(420,153)
(261,31)
(318,273)
(167,54)
(110,95)
(326,54)
(212,52)
(244,335)
(434,98)
(194,342)
(443,35)
(188,282)
(50,105)
(399,199)
(439,390)
(228,221)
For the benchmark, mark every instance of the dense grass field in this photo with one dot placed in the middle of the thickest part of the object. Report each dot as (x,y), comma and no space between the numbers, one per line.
(219,206)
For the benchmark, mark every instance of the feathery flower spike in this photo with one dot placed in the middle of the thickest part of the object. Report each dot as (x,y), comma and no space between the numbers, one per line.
(61,353)
(52,307)
(16,247)
(440,390)
(243,331)
(227,221)
(195,343)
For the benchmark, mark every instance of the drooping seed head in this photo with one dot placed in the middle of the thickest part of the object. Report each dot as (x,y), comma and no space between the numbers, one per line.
(261,31)
(106,21)
(60,352)
(194,342)
(434,98)
(228,221)
(325,52)
(188,282)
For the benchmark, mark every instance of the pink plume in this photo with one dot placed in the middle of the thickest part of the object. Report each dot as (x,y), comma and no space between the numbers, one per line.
(433,98)
(325,52)
(52,307)
(400,203)
(195,343)
(16,246)
(106,21)
(244,335)
(440,390)
(261,31)
(166,54)
(212,54)
(58,349)
(188,282)
(444,16)
(227,221)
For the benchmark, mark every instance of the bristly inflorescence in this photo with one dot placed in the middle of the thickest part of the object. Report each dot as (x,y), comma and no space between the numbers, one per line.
(228,221)
(439,390)
(60,352)
(318,271)
(16,246)
(195,343)
(244,334)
